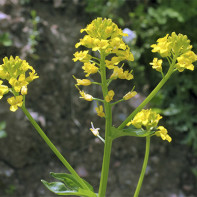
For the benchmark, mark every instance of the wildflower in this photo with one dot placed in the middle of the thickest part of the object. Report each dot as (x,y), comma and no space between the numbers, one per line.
(95,131)
(99,111)
(109,96)
(162,132)
(180,43)
(131,35)
(89,68)
(163,46)
(83,82)
(185,61)
(85,96)
(104,35)
(129,95)
(32,76)
(18,83)
(15,102)
(82,56)
(119,73)
(157,64)
(3,89)
(100,44)
(145,118)
(14,70)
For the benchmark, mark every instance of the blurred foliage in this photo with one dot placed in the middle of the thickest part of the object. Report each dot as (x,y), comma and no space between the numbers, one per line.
(2,129)
(151,19)
(34,33)
(5,39)
(23,2)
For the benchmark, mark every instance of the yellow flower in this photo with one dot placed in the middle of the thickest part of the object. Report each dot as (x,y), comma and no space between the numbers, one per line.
(82,56)
(100,44)
(89,68)
(104,35)
(157,64)
(145,118)
(129,95)
(109,96)
(163,133)
(174,45)
(3,89)
(83,82)
(185,61)
(99,111)
(15,102)
(14,71)
(18,83)
(32,75)
(121,74)
(85,96)
(163,46)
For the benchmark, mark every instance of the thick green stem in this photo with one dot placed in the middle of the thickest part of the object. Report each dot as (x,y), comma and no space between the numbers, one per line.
(147,100)
(108,138)
(137,191)
(53,148)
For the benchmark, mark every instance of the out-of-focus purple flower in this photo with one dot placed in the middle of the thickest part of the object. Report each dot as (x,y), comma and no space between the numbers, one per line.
(130,37)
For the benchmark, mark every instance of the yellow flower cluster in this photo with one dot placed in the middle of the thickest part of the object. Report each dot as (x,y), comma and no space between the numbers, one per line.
(149,120)
(177,46)
(145,118)
(14,71)
(104,36)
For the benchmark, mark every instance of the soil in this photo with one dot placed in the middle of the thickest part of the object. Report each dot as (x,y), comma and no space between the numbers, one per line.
(54,103)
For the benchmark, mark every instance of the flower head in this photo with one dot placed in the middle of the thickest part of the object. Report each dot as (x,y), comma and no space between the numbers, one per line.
(145,118)
(18,73)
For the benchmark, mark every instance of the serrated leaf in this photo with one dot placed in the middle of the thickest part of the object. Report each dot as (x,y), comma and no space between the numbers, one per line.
(60,189)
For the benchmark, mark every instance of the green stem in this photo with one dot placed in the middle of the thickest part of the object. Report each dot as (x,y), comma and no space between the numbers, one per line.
(150,96)
(137,191)
(53,148)
(108,138)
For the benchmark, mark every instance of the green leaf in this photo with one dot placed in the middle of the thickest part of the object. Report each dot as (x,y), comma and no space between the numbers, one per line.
(60,189)
(70,181)
(131,131)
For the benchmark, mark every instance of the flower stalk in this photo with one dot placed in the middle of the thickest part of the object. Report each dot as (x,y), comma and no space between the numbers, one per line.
(53,148)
